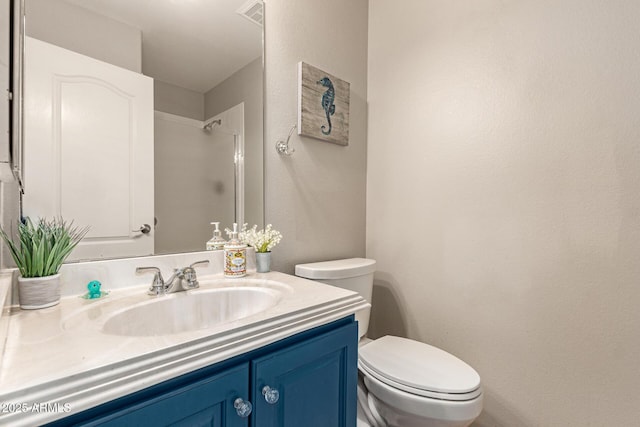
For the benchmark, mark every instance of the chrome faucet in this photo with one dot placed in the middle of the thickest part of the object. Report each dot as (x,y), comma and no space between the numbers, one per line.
(182,279)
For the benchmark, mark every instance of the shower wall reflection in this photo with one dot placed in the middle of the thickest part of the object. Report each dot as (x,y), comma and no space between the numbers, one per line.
(194,183)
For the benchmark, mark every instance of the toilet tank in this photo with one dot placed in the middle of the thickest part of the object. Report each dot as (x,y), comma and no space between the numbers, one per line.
(354,274)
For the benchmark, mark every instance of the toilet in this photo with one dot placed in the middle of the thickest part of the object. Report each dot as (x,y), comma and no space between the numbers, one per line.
(402,383)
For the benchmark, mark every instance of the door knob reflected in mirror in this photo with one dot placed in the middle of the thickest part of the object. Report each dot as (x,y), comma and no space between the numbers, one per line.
(145,229)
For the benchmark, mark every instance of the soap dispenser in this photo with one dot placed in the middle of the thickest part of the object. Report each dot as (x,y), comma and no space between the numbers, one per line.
(216,242)
(235,255)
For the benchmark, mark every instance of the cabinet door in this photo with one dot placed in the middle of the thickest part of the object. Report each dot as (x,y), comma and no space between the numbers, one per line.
(316,381)
(208,402)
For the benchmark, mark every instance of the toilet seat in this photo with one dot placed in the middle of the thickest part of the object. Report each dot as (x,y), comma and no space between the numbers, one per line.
(419,369)
(394,405)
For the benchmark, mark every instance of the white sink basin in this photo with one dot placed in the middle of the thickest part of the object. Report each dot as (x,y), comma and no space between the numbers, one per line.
(189,311)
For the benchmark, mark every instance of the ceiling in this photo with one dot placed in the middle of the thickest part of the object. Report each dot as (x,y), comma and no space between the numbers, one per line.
(194,44)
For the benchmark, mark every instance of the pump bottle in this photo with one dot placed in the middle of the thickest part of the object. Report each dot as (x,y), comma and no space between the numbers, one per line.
(235,256)
(216,242)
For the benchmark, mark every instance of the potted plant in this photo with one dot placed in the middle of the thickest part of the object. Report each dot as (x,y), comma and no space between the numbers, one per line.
(262,241)
(41,249)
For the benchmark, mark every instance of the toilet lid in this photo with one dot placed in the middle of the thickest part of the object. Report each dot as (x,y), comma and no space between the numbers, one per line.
(418,365)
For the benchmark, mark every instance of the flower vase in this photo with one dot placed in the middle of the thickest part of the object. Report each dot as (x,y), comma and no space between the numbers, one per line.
(38,292)
(263,262)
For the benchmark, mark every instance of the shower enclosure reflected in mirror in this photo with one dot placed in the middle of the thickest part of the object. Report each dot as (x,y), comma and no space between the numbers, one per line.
(143,113)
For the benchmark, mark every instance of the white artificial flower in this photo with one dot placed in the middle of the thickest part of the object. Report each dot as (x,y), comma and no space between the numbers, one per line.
(263,240)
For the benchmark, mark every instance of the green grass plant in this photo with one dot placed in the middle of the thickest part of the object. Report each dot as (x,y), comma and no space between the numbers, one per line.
(43,246)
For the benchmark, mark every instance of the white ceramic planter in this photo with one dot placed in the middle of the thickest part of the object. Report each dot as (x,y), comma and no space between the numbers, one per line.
(38,292)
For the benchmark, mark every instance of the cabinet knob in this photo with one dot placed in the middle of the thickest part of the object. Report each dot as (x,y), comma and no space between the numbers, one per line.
(271,395)
(243,409)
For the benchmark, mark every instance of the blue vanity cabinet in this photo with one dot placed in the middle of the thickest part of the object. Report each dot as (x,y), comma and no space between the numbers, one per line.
(307,380)
(208,402)
(311,384)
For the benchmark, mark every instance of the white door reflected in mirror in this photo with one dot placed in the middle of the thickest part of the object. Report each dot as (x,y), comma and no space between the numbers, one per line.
(88,147)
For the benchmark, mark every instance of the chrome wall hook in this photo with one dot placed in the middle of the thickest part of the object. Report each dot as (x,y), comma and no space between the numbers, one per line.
(282,147)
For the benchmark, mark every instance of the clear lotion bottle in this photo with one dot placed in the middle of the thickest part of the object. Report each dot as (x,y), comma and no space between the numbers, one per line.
(216,242)
(235,256)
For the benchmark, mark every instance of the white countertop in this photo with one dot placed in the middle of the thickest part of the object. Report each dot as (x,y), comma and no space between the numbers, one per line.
(60,355)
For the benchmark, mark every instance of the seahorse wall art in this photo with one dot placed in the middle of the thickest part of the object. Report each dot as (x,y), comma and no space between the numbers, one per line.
(327,103)
(323,105)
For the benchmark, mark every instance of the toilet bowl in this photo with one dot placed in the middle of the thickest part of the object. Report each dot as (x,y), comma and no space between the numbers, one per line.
(402,382)
(414,384)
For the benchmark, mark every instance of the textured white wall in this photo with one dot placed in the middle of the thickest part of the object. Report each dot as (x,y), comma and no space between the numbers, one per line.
(317,196)
(503,198)
(177,100)
(82,31)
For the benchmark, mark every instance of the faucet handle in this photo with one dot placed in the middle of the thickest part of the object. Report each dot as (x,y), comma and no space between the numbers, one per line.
(198,263)
(190,273)
(157,286)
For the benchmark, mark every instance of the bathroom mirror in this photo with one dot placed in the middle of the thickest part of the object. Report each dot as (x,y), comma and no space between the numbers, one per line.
(204,84)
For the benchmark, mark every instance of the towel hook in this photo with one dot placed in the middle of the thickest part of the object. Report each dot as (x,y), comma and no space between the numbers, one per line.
(282,147)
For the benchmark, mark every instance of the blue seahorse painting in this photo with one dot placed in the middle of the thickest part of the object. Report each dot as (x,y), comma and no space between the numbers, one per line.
(323,105)
(328,104)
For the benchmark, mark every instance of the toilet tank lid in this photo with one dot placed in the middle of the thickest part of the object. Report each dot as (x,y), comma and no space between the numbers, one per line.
(337,269)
